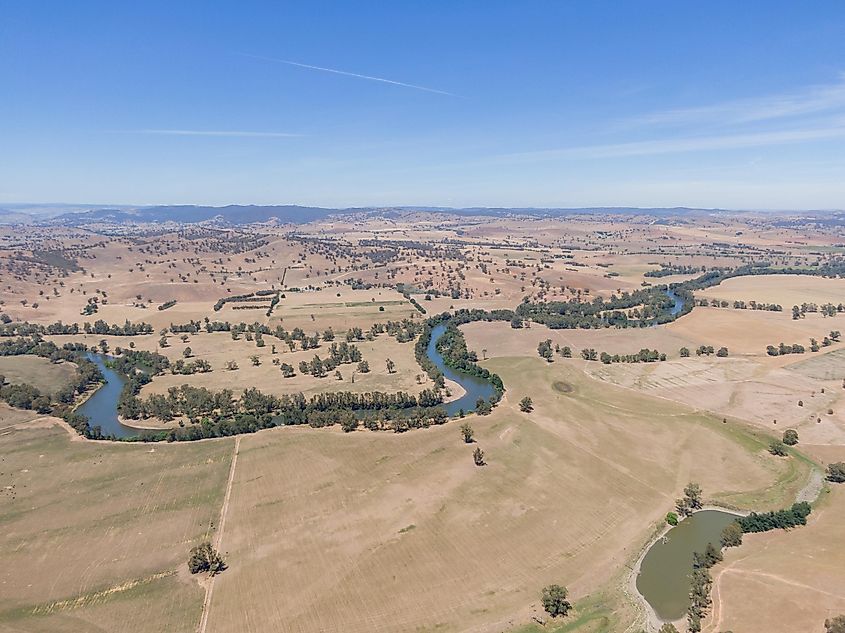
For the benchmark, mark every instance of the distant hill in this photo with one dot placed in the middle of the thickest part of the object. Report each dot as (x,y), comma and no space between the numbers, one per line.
(296,214)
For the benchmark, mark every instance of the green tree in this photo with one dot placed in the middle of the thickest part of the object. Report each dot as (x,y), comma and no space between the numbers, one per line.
(187,352)
(391,366)
(778,448)
(204,557)
(790,437)
(467,432)
(668,628)
(671,518)
(836,472)
(835,625)
(478,456)
(731,535)
(554,600)
(364,367)
(526,405)
(684,352)
(692,494)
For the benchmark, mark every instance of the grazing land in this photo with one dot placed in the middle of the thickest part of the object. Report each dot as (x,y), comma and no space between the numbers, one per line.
(354,502)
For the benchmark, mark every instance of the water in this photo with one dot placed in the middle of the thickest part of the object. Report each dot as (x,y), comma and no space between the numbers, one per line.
(679,303)
(664,578)
(475,387)
(101,407)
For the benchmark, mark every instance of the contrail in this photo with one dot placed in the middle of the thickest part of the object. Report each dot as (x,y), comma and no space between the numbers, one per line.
(238,133)
(348,74)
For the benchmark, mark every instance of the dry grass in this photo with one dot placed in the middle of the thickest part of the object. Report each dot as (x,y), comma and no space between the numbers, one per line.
(38,372)
(373,532)
(94,531)
(781,582)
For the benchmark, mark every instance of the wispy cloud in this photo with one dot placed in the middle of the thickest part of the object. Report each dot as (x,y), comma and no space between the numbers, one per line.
(350,74)
(676,145)
(230,133)
(811,100)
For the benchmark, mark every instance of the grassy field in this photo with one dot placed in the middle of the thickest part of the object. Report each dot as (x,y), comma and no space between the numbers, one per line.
(36,371)
(94,534)
(784,581)
(367,532)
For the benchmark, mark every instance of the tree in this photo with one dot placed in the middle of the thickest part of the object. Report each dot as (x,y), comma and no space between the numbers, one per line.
(349,424)
(835,625)
(778,448)
(204,557)
(467,432)
(684,352)
(668,628)
(391,366)
(255,360)
(526,405)
(554,600)
(731,535)
(187,352)
(692,494)
(671,518)
(364,367)
(478,456)
(231,365)
(722,353)
(836,472)
(790,437)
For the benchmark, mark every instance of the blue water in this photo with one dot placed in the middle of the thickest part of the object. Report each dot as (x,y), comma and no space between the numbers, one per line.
(679,303)
(101,408)
(475,387)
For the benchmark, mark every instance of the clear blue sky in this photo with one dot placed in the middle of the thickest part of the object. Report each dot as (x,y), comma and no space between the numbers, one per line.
(728,104)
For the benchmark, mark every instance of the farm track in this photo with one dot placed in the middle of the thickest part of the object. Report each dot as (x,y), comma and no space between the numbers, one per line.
(218,537)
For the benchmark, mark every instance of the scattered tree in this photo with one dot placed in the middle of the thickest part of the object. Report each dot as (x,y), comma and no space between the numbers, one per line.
(554,600)
(467,432)
(204,557)
(526,405)
(790,437)
(478,456)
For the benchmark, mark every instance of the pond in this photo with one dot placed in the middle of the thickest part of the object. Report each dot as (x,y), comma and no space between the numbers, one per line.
(101,407)
(474,386)
(664,578)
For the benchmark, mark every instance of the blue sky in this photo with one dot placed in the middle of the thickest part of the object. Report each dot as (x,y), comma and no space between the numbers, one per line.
(715,104)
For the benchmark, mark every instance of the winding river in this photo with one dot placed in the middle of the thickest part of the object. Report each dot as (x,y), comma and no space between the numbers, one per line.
(101,407)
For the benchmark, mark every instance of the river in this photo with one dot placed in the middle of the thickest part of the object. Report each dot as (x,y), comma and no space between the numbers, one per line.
(474,386)
(101,407)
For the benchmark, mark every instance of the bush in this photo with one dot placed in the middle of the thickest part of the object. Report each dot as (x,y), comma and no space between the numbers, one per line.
(554,600)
